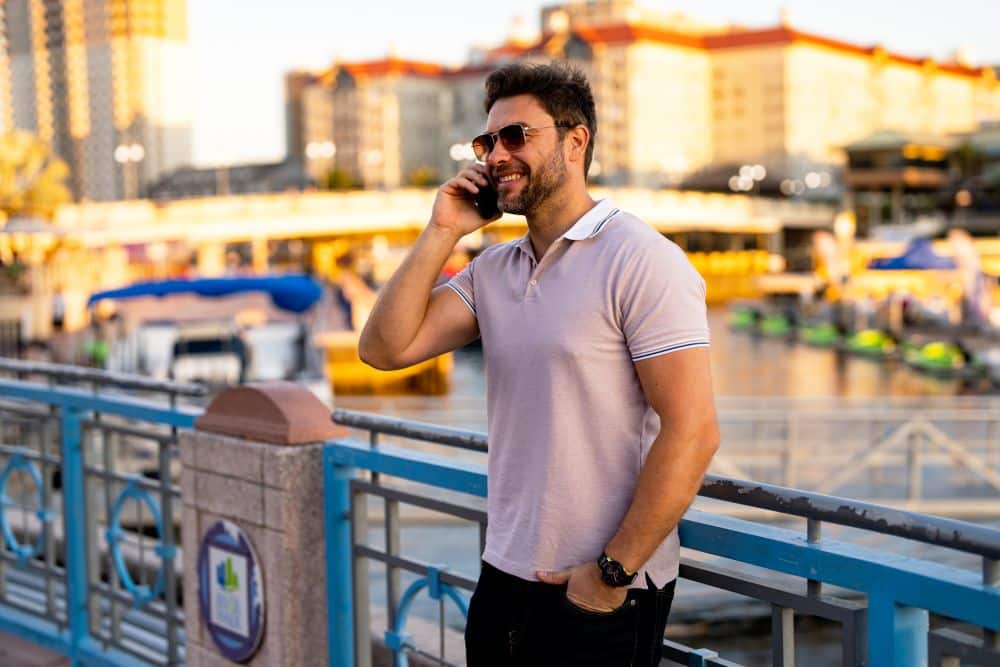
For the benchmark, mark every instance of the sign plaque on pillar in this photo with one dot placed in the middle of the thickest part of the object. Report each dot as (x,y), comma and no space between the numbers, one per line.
(231,591)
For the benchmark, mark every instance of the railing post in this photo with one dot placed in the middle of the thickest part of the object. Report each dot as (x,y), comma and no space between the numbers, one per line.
(782,636)
(74,529)
(991,577)
(256,461)
(339,572)
(897,635)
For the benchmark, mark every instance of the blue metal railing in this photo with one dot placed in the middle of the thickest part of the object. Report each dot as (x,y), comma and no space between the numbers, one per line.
(890,626)
(73,576)
(65,583)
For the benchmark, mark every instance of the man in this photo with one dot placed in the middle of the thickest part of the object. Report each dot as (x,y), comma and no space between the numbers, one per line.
(600,409)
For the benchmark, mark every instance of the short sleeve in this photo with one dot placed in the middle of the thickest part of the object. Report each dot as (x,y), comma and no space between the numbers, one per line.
(462,285)
(662,303)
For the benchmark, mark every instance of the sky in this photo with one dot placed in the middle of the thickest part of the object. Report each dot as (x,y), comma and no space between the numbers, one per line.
(242,48)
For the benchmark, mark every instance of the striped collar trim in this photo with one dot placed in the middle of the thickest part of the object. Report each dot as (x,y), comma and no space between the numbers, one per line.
(593,221)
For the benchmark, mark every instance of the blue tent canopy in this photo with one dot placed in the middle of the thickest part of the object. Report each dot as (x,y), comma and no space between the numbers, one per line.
(295,293)
(918,255)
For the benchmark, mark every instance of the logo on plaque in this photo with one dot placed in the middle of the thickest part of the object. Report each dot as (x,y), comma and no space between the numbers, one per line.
(231,591)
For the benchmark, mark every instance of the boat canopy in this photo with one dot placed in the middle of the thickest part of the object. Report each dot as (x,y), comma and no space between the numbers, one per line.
(918,255)
(295,293)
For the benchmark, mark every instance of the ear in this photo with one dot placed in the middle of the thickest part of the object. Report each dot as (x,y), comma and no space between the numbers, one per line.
(576,141)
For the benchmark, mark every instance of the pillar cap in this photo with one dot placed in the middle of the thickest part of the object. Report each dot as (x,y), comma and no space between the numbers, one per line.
(281,413)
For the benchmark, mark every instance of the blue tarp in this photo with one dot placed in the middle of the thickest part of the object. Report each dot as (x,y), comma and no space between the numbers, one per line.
(295,293)
(918,255)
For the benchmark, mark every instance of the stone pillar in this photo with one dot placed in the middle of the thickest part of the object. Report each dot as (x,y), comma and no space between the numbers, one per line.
(255,459)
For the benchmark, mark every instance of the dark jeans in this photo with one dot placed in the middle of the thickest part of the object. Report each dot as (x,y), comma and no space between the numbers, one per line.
(518,623)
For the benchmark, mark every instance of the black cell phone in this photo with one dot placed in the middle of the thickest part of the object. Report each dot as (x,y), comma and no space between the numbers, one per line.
(486,202)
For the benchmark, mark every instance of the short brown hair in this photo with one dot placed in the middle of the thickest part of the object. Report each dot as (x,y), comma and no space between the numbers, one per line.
(561,89)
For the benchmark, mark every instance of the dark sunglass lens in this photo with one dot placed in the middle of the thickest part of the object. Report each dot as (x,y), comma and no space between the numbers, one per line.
(482,145)
(512,137)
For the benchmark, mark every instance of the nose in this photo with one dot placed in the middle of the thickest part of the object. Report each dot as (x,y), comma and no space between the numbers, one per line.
(498,156)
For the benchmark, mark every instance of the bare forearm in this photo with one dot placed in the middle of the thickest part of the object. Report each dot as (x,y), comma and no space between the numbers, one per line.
(402,302)
(668,482)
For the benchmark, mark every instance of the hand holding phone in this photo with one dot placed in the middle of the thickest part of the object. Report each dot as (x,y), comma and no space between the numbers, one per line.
(486,202)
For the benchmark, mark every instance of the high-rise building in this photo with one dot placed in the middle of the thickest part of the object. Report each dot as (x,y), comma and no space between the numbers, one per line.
(105,82)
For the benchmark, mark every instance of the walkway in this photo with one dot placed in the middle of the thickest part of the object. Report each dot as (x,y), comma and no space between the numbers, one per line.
(21,652)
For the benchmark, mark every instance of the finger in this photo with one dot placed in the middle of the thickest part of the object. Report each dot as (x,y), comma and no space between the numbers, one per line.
(463,183)
(586,605)
(474,176)
(560,577)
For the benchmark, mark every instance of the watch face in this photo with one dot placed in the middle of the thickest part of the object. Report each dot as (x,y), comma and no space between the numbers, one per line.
(613,573)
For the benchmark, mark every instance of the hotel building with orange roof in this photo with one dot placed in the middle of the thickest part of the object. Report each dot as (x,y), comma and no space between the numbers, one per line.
(673,95)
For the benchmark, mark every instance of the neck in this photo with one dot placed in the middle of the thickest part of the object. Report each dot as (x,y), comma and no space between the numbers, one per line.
(556,215)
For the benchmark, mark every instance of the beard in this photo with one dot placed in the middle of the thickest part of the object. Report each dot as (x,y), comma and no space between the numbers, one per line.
(539,187)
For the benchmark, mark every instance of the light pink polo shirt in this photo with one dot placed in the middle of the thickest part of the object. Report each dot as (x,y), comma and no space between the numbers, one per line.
(569,425)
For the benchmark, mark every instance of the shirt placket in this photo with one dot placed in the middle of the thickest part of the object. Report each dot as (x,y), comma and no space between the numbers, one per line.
(537,269)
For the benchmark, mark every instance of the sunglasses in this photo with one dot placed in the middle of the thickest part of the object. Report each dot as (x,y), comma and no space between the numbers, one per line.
(513,137)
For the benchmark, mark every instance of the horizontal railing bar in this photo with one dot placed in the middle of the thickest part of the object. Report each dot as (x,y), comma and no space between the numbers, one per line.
(108,378)
(419,467)
(682,654)
(946,642)
(951,533)
(425,502)
(31,566)
(103,590)
(830,608)
(161,438)
(30,454)
(886,416)
(117,404)
(30,412)
(942,589)
(440,435)
(144,482)
(960,535)
(414,566)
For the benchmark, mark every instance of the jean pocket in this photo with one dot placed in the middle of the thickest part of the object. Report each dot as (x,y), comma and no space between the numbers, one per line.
(623,610)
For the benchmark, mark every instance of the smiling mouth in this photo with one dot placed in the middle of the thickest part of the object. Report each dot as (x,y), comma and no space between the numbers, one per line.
(508,178)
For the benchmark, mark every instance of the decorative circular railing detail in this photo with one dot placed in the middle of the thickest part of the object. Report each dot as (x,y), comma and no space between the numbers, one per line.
(141,594)
(397,639)
(22,551)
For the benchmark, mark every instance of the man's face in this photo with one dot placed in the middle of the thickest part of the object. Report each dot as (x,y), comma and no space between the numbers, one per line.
(525,178)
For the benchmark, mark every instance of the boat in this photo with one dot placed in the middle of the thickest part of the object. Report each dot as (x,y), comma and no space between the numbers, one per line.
(820,334)
(743,317)
(871,343)
(777,325)
(217,331)
(350,375)
(944,359)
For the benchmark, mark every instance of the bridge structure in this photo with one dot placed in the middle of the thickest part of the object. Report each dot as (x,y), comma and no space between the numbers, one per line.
(102,245)
(110,483)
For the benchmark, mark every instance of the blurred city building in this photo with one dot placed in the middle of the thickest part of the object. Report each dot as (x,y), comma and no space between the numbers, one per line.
(192,182)
(382,123)
(105,83)
(677,98)
(925,181)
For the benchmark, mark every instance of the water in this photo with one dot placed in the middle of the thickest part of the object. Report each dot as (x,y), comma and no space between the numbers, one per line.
(742,365)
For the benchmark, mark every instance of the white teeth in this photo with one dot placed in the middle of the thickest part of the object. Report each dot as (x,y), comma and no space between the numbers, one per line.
(509,178)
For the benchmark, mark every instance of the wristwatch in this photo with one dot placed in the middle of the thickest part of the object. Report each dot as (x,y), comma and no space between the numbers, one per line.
(614,573)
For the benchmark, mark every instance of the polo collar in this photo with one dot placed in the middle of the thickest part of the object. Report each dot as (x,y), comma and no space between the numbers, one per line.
(593,221)
(588,226)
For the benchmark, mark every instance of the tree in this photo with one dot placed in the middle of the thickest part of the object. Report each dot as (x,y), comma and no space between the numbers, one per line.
(32,180)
